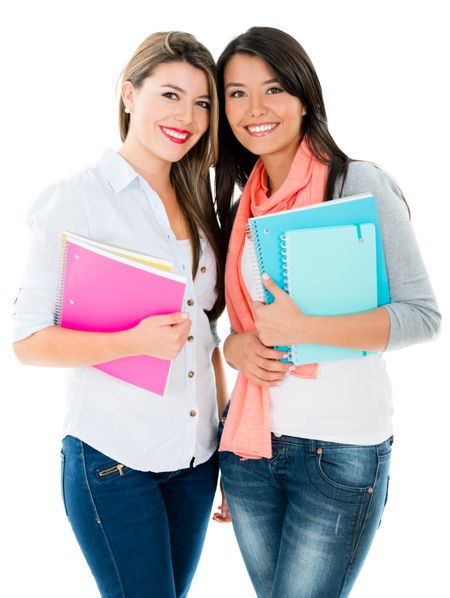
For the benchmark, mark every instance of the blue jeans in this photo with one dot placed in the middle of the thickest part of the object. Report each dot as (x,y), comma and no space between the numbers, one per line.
(305,519)
(141,532)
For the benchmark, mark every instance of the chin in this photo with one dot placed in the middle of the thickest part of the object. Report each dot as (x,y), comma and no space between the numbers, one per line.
(174,156)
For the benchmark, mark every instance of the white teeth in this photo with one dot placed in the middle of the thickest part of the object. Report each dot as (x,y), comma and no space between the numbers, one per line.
(174,133)
(261,128)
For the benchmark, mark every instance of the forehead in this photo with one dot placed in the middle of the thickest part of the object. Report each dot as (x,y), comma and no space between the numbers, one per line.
(181,74)
(243,68)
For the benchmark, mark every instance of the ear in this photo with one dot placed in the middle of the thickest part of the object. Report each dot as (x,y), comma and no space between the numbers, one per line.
(128,92)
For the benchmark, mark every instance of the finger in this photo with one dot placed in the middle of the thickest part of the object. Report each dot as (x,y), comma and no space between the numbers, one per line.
(175,318)
(272,286)
(269,364)
(224,510)
(267,375)
(218,517)
(273,366)
(255,307)
(182,326)
(269,353)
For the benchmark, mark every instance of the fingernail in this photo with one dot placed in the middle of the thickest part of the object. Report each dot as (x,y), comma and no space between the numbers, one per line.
(264,276)
(286,355)
(291,368)
(184,315)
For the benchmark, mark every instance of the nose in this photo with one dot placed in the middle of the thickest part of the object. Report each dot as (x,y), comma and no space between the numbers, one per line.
(256,106)
(185,113)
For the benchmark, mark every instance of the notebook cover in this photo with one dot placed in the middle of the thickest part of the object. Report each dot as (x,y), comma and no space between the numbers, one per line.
(267,231)
(330,271)
(102,293)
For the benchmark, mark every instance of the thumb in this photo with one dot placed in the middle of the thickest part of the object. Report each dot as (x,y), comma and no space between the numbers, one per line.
(175,318)
(272,286)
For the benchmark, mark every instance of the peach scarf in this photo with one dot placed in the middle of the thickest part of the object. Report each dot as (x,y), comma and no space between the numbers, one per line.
(247,427)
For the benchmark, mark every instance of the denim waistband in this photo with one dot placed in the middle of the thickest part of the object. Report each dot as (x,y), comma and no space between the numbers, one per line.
(313,444)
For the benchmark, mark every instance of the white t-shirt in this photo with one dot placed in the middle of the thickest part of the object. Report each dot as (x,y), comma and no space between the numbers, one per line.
(349,401)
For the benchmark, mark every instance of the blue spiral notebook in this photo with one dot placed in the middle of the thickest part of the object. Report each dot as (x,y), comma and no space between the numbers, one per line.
(266,232)
(330,271)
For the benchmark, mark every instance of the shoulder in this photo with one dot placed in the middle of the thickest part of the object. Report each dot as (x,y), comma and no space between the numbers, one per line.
(367,177)
(361,175)
(64,199)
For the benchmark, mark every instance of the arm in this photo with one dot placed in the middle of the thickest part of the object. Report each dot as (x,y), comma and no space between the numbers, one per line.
(283,323)
(223,516)
(37,340)
(221,380)
(159,336)
(245,352)
(411,317)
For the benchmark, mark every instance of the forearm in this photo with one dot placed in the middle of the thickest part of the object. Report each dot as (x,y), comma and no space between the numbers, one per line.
(367,331)
(61,347)
(226,345)
(221,381)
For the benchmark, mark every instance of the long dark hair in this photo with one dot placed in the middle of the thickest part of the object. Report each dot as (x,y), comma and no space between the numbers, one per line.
(294,70)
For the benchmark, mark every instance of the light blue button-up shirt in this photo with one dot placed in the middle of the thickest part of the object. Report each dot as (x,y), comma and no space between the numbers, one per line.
(111,203)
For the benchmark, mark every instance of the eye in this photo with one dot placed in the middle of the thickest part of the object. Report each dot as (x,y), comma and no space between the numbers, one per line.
(274,90)
(237,94)
(171,95)
(203,104)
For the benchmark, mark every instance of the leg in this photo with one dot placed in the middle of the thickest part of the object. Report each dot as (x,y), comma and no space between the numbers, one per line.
(188,495)
(120,522)
(336,495)
(257,505)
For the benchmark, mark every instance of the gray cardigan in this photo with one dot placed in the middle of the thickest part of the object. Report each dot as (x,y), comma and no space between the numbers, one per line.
(413,311)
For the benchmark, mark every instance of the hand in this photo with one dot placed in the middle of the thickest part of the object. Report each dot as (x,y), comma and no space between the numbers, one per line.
(246,353)
(159,336)
(224,515)
(280,323)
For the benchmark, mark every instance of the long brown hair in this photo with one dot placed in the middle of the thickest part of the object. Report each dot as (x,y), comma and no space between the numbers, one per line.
(190,175)
(294,70)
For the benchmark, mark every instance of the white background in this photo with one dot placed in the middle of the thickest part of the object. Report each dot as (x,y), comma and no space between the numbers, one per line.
(384,72)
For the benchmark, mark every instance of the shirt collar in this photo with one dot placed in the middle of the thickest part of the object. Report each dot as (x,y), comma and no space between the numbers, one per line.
(117,171)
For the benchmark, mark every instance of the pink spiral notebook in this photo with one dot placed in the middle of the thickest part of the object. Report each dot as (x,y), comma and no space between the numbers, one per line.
(108,289)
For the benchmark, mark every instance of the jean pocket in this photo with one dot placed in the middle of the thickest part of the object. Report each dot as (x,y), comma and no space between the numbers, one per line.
(63,494)
(344,471)
(111,470)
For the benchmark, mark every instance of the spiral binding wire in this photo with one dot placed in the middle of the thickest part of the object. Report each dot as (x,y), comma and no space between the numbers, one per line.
(286,275)
(284,264)
(62,275)
(255,253)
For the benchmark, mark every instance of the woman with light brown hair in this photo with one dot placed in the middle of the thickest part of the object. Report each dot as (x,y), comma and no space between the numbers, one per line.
(139,471)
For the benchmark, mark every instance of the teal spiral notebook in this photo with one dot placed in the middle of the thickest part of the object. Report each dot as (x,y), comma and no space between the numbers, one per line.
(330,271)
(266,232)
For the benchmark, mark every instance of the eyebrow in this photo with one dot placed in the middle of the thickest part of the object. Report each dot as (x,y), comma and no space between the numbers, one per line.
(206,96)
(268,82)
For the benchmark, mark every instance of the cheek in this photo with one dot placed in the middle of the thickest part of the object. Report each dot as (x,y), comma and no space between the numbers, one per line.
(232,113)
(204,121)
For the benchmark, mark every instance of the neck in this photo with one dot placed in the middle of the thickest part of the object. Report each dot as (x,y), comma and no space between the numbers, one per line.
(154,170)
(278,166)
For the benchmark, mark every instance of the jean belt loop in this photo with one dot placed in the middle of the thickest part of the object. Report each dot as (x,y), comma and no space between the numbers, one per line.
(312,449)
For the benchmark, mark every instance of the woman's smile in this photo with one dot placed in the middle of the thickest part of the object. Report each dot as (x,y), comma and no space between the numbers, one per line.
(261,129)
(176,135)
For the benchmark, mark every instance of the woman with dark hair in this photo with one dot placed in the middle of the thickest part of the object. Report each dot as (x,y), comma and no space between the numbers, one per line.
(139,471)
(305,451)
